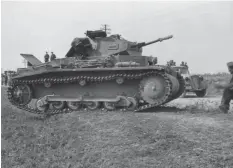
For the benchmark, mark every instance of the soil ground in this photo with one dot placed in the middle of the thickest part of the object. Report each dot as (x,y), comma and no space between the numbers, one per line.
(189,132)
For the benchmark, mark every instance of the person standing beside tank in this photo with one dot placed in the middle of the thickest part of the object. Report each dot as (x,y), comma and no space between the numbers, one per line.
(6,78)
(227,92)
(3,79)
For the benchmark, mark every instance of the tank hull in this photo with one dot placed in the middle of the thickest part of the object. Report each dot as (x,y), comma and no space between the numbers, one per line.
(132,88)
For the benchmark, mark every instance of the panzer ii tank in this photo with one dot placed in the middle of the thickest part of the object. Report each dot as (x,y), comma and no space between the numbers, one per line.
(98,71)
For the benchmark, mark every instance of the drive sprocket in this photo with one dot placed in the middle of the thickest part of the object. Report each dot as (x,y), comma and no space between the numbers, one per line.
(20,94)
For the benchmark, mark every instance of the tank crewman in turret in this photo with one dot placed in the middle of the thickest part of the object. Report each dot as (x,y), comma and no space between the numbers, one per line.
(46,57)
(183,63)
(227,92)
(155,60)
(170,63)
(53,56)
(174,63)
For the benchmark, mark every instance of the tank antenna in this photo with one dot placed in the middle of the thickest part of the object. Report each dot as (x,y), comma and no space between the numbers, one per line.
(105,28)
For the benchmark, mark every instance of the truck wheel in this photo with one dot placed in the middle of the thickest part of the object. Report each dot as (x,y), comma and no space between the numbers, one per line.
(201,93)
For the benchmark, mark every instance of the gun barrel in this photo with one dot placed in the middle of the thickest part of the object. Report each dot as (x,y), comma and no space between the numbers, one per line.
(139,45)
(158,40)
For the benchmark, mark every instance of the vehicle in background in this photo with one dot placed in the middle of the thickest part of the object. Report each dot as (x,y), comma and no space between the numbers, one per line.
(193,83)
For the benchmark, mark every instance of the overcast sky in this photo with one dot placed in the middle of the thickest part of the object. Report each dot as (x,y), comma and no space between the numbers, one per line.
(203,31)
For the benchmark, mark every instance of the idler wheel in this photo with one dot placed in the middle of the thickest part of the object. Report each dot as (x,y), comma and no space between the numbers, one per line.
(58,105)
(133,105)
(21,94)
(109,105)
(93,105)
(41,106)
(74,105)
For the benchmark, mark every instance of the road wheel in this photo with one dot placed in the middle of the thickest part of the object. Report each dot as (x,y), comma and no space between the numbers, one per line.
(74,105)
(109,105)
(58,105)
(93,105)
(41,106)
(133,104)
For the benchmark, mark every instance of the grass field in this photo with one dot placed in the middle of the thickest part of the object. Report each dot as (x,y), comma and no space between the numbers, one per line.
(168,138)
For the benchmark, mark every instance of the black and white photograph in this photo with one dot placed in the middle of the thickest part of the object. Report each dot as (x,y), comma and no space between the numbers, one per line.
(116,84)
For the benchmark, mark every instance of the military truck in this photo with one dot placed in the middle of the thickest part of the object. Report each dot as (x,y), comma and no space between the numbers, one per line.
(193,83)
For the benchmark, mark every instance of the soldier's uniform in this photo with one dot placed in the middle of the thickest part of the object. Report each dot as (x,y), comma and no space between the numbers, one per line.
(6,80)
(53,56)
(3,79)
(227,93)
(46,57)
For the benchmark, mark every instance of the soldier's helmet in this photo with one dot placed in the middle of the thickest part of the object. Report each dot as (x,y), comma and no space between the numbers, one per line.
(230,64)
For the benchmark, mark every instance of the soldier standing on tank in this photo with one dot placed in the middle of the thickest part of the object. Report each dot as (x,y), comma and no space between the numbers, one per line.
(182,63)
(46,57)
(53,56)
(227,92)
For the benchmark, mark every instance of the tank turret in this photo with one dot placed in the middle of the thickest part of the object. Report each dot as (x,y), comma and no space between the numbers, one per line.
(98,44)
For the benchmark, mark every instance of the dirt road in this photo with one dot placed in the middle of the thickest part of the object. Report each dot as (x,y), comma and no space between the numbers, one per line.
(184,134)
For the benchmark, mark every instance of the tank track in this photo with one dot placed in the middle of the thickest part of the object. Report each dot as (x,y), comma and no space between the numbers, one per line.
(72,79)
(181,88)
